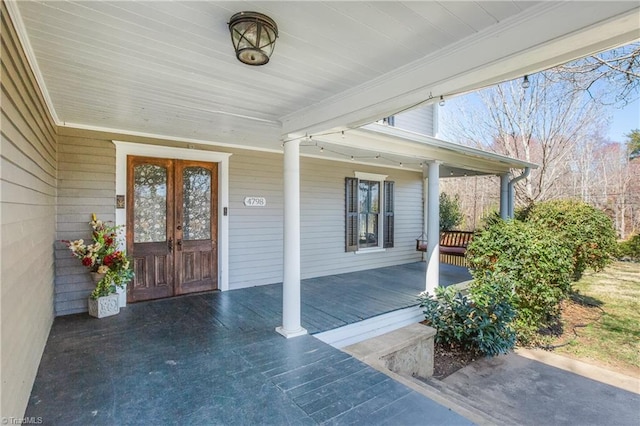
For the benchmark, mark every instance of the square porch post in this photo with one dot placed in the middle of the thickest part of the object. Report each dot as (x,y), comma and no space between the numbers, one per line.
(291,326)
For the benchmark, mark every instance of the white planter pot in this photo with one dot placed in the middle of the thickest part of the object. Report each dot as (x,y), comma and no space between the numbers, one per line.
(105,306)
(122,295)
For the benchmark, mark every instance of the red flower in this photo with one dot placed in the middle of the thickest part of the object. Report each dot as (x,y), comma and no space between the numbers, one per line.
(87,261)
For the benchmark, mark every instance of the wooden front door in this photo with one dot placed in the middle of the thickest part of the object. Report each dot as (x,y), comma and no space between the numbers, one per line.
(172,225)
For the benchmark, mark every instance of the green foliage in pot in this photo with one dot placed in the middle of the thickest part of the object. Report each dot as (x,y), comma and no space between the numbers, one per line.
(103,256)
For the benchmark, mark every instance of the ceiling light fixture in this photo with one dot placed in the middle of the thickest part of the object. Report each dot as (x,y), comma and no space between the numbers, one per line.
(441,103)
(253,36)
(525,82)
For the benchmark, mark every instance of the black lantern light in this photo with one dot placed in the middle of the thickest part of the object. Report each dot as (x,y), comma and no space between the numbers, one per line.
(253,36)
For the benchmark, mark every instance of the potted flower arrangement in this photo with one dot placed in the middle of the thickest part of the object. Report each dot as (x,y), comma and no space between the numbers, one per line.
(109,267)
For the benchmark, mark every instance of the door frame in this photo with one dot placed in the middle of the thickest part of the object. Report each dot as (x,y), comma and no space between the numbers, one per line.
(123,149)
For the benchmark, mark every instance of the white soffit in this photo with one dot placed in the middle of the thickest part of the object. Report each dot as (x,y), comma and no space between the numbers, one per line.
(546,35)
(168,68)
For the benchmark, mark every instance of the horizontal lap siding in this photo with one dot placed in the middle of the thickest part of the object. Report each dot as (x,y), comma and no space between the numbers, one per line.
(323,219)
(86,184)
(419,120)
(255,233)
(28,164)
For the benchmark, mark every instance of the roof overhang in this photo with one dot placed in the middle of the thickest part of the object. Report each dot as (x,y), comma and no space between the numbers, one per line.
(386,146)
(167,69)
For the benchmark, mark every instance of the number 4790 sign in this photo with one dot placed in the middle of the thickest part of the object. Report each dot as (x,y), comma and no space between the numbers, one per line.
(255,201)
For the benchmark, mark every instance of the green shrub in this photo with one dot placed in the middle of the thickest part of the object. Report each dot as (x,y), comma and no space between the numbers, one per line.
(481,322)
(587,231)
(630,248)
(450,214)
(536,265)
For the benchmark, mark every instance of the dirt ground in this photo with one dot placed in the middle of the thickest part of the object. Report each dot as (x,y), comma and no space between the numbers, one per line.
(575,316)
(447,360)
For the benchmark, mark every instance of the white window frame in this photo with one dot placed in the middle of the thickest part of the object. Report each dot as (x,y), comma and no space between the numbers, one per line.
(380,179)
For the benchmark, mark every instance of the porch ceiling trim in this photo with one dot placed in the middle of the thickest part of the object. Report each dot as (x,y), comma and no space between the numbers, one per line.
(399,145)
(481,60)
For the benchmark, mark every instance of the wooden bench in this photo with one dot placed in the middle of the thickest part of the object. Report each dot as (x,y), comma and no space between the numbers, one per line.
(453,246)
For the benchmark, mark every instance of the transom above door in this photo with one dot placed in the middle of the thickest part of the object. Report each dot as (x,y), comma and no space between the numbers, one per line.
(172,226)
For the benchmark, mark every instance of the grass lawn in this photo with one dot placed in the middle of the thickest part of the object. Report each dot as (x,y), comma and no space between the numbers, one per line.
(612,337)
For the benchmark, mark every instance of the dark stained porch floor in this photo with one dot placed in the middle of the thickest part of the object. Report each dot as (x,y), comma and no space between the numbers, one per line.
(215,359)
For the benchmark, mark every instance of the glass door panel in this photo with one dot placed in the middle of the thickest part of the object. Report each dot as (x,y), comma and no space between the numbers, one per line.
(196,203)
(150,203)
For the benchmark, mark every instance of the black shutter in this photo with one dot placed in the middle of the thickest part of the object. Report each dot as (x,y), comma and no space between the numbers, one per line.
(351,209)
(389,199)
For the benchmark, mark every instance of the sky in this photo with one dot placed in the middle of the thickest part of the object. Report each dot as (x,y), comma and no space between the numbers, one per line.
(624,121)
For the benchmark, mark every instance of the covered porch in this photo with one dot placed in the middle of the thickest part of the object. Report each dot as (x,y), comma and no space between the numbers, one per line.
(213,358)
(81,75)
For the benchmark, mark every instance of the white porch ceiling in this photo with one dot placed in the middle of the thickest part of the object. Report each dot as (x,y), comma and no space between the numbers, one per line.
(168,68)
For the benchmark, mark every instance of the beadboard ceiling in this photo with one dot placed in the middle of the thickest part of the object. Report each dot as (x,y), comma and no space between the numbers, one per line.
(167,68)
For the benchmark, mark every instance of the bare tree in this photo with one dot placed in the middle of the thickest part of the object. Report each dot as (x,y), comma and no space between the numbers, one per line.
(542,124)
(618,70)
(478,196)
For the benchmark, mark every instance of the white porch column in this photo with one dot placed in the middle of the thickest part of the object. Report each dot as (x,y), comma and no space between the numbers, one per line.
(291,280)
(433,227)
(504,196)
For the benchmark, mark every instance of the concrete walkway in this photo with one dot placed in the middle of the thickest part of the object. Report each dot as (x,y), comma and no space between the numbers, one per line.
(542,388)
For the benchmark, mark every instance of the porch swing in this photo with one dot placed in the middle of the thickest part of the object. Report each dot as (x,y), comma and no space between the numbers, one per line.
(421,243)
(453,246)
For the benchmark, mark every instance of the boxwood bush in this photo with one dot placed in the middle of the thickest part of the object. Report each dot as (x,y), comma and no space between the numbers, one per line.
(536,265)
(630,249)
(480,322)
(585,230)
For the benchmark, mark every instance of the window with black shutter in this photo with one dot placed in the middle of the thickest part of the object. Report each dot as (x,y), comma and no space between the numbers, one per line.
(369,219)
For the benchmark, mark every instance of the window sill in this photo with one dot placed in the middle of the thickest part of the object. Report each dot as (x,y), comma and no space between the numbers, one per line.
(370,250)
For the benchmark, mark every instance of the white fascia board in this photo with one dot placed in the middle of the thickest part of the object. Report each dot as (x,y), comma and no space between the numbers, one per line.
(513,163)
(544,36)
(387,140)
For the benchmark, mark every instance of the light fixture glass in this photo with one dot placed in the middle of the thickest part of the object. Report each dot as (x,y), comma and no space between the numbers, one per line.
(525,82)
(441,103)
(253,36)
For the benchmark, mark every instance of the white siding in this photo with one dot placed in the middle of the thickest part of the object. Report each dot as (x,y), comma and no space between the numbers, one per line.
(323,219)
(28,186)
(419,120)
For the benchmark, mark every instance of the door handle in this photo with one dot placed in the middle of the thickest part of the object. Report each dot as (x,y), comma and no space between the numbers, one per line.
(170,244)
(179,242)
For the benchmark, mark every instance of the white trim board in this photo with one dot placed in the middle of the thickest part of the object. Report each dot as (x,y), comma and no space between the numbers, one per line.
(123,149)
(371,327)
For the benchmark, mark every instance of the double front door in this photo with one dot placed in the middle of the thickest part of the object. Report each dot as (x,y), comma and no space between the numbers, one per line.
(172,225)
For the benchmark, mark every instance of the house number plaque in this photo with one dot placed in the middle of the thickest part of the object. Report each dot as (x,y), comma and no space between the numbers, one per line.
(255,201)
